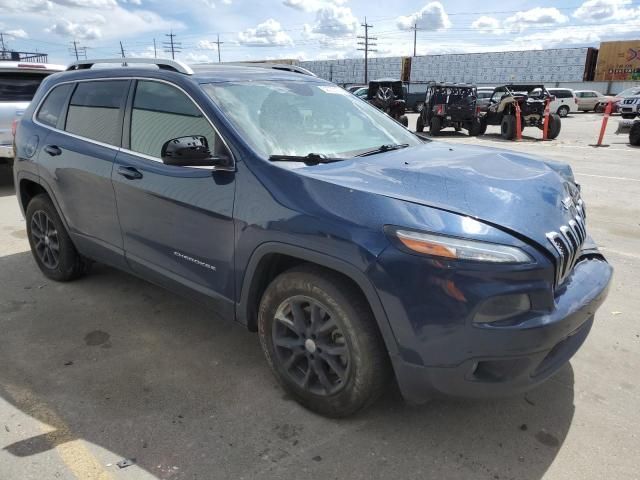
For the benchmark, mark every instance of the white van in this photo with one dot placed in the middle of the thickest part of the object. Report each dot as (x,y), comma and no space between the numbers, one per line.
(565,102)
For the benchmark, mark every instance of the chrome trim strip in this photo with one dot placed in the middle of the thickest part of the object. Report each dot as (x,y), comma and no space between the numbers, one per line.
(122,149)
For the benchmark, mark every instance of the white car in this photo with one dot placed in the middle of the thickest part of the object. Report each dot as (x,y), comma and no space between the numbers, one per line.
(18,84)
(591,100)
(565,101)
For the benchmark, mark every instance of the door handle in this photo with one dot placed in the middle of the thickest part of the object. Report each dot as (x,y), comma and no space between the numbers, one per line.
(53,150)
(130,173)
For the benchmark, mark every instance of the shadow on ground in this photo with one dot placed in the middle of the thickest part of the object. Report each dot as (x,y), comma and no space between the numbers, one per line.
(142,373)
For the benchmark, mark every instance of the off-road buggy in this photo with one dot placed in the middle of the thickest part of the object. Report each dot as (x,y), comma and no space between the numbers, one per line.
(632,127)
(450,105)
(389,96)
(531,99)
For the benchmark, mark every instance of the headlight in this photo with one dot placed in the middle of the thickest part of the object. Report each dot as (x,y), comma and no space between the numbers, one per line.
(459,249)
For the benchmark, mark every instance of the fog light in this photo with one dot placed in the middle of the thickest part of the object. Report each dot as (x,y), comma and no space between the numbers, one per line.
(502,307)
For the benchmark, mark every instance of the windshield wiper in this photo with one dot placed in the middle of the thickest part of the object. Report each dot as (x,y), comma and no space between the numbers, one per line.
(383,148)
(309,159)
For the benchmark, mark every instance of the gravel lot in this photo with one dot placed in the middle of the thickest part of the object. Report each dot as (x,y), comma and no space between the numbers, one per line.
(111,367)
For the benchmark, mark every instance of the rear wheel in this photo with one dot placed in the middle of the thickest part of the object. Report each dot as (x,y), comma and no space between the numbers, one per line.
(634,134)
(419,124)
(404,120)
(418,107)
(475,127)
(322,342)
(483,126)
(508,127)
(563,111)
(50,243)
(435,126)
(554,126)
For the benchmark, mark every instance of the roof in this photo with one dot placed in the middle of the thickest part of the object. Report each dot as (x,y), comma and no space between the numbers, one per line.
(451,85)
(32,67)
(224,73)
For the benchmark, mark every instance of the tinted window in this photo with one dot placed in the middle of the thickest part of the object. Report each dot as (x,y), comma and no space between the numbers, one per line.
(485,94)
(52,107)
(19,87)
(94,110)
(162,112)
(561,93)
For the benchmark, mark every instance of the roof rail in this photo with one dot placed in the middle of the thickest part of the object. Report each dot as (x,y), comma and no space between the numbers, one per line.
(163,64)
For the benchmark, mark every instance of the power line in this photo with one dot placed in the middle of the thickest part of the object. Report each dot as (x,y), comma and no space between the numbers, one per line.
(78,51)
(172,46)
(366,47)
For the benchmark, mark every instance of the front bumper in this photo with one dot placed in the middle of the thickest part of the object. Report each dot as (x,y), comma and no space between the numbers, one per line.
(479,361)
(6,151)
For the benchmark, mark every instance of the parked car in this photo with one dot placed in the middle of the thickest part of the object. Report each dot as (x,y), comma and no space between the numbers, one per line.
(415,100)
(354,88)
(564,101)
(18,84)
(483,97)
(629,107)
(450,105)
(389,96)
(620,97)
(361,92)
(355,249)
(589,100)
(531,99)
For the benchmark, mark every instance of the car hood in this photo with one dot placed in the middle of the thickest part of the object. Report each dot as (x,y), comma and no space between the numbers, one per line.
(506,189)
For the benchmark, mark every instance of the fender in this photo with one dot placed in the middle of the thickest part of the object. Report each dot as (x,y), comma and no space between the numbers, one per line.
(22,175)
(322,259)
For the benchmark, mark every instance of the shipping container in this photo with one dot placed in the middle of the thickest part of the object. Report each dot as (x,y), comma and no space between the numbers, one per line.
(618,61)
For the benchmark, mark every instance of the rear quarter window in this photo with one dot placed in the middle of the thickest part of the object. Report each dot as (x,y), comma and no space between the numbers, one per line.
(19,86)
(561,93)
(54,104)
(95,110)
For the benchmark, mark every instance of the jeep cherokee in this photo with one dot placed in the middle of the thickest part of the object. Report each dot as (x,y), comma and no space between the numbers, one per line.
(354,248)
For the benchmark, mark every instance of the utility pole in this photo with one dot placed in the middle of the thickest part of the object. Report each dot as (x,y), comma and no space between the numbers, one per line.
(366,47)
(2,42)
(172,46)
(415,37)
(78,51)
(155,50)
(218,43)
(122,50)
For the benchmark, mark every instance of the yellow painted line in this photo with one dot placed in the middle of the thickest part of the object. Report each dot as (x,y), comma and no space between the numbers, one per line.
(73,453)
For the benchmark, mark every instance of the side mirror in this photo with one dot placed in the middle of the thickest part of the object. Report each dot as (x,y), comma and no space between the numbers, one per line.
(193,151)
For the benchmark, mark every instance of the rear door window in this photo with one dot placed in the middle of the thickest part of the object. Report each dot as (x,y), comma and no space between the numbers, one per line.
(19,86)
(95,110)
(52,107)
(561,93)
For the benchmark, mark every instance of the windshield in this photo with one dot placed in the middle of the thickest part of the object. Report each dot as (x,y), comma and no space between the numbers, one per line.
(19,87)
(297,118)
(629,92)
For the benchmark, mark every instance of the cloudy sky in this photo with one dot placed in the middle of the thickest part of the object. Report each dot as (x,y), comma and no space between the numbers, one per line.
(310,29)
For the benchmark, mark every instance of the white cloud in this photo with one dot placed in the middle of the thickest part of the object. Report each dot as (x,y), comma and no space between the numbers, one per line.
(267,34)
(431,17)
(21,6)
(66,28)
(334,21)
(578,35)
(17,33)
(207,45)
(86,3)
(536,17)
(486,24)
(600,10)
(193,57)
(311,5)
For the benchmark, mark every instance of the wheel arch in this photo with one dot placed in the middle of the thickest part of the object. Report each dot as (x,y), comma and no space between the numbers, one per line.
(28,187)
(270,259)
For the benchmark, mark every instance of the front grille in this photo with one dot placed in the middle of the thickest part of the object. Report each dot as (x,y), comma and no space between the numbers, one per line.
(568,244)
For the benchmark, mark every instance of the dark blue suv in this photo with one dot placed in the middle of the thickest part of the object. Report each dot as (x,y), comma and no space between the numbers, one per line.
(357,250)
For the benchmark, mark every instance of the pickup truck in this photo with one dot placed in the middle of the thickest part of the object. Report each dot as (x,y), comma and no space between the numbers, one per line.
(18,84)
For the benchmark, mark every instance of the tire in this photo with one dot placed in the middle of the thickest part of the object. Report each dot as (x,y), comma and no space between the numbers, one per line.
(483,127)
(627,116)
(404,120)
(475,127)
(508,127)
(364,362)
(563,111)
(50,243)
(418,107)
(554,126)
(420,124)
(435,126)
(634,134)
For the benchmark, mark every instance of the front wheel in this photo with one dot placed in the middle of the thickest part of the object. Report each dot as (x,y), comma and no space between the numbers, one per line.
(554,126)
(404,120)
(50,243)
(508,127)
(321,341)
(563,111)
